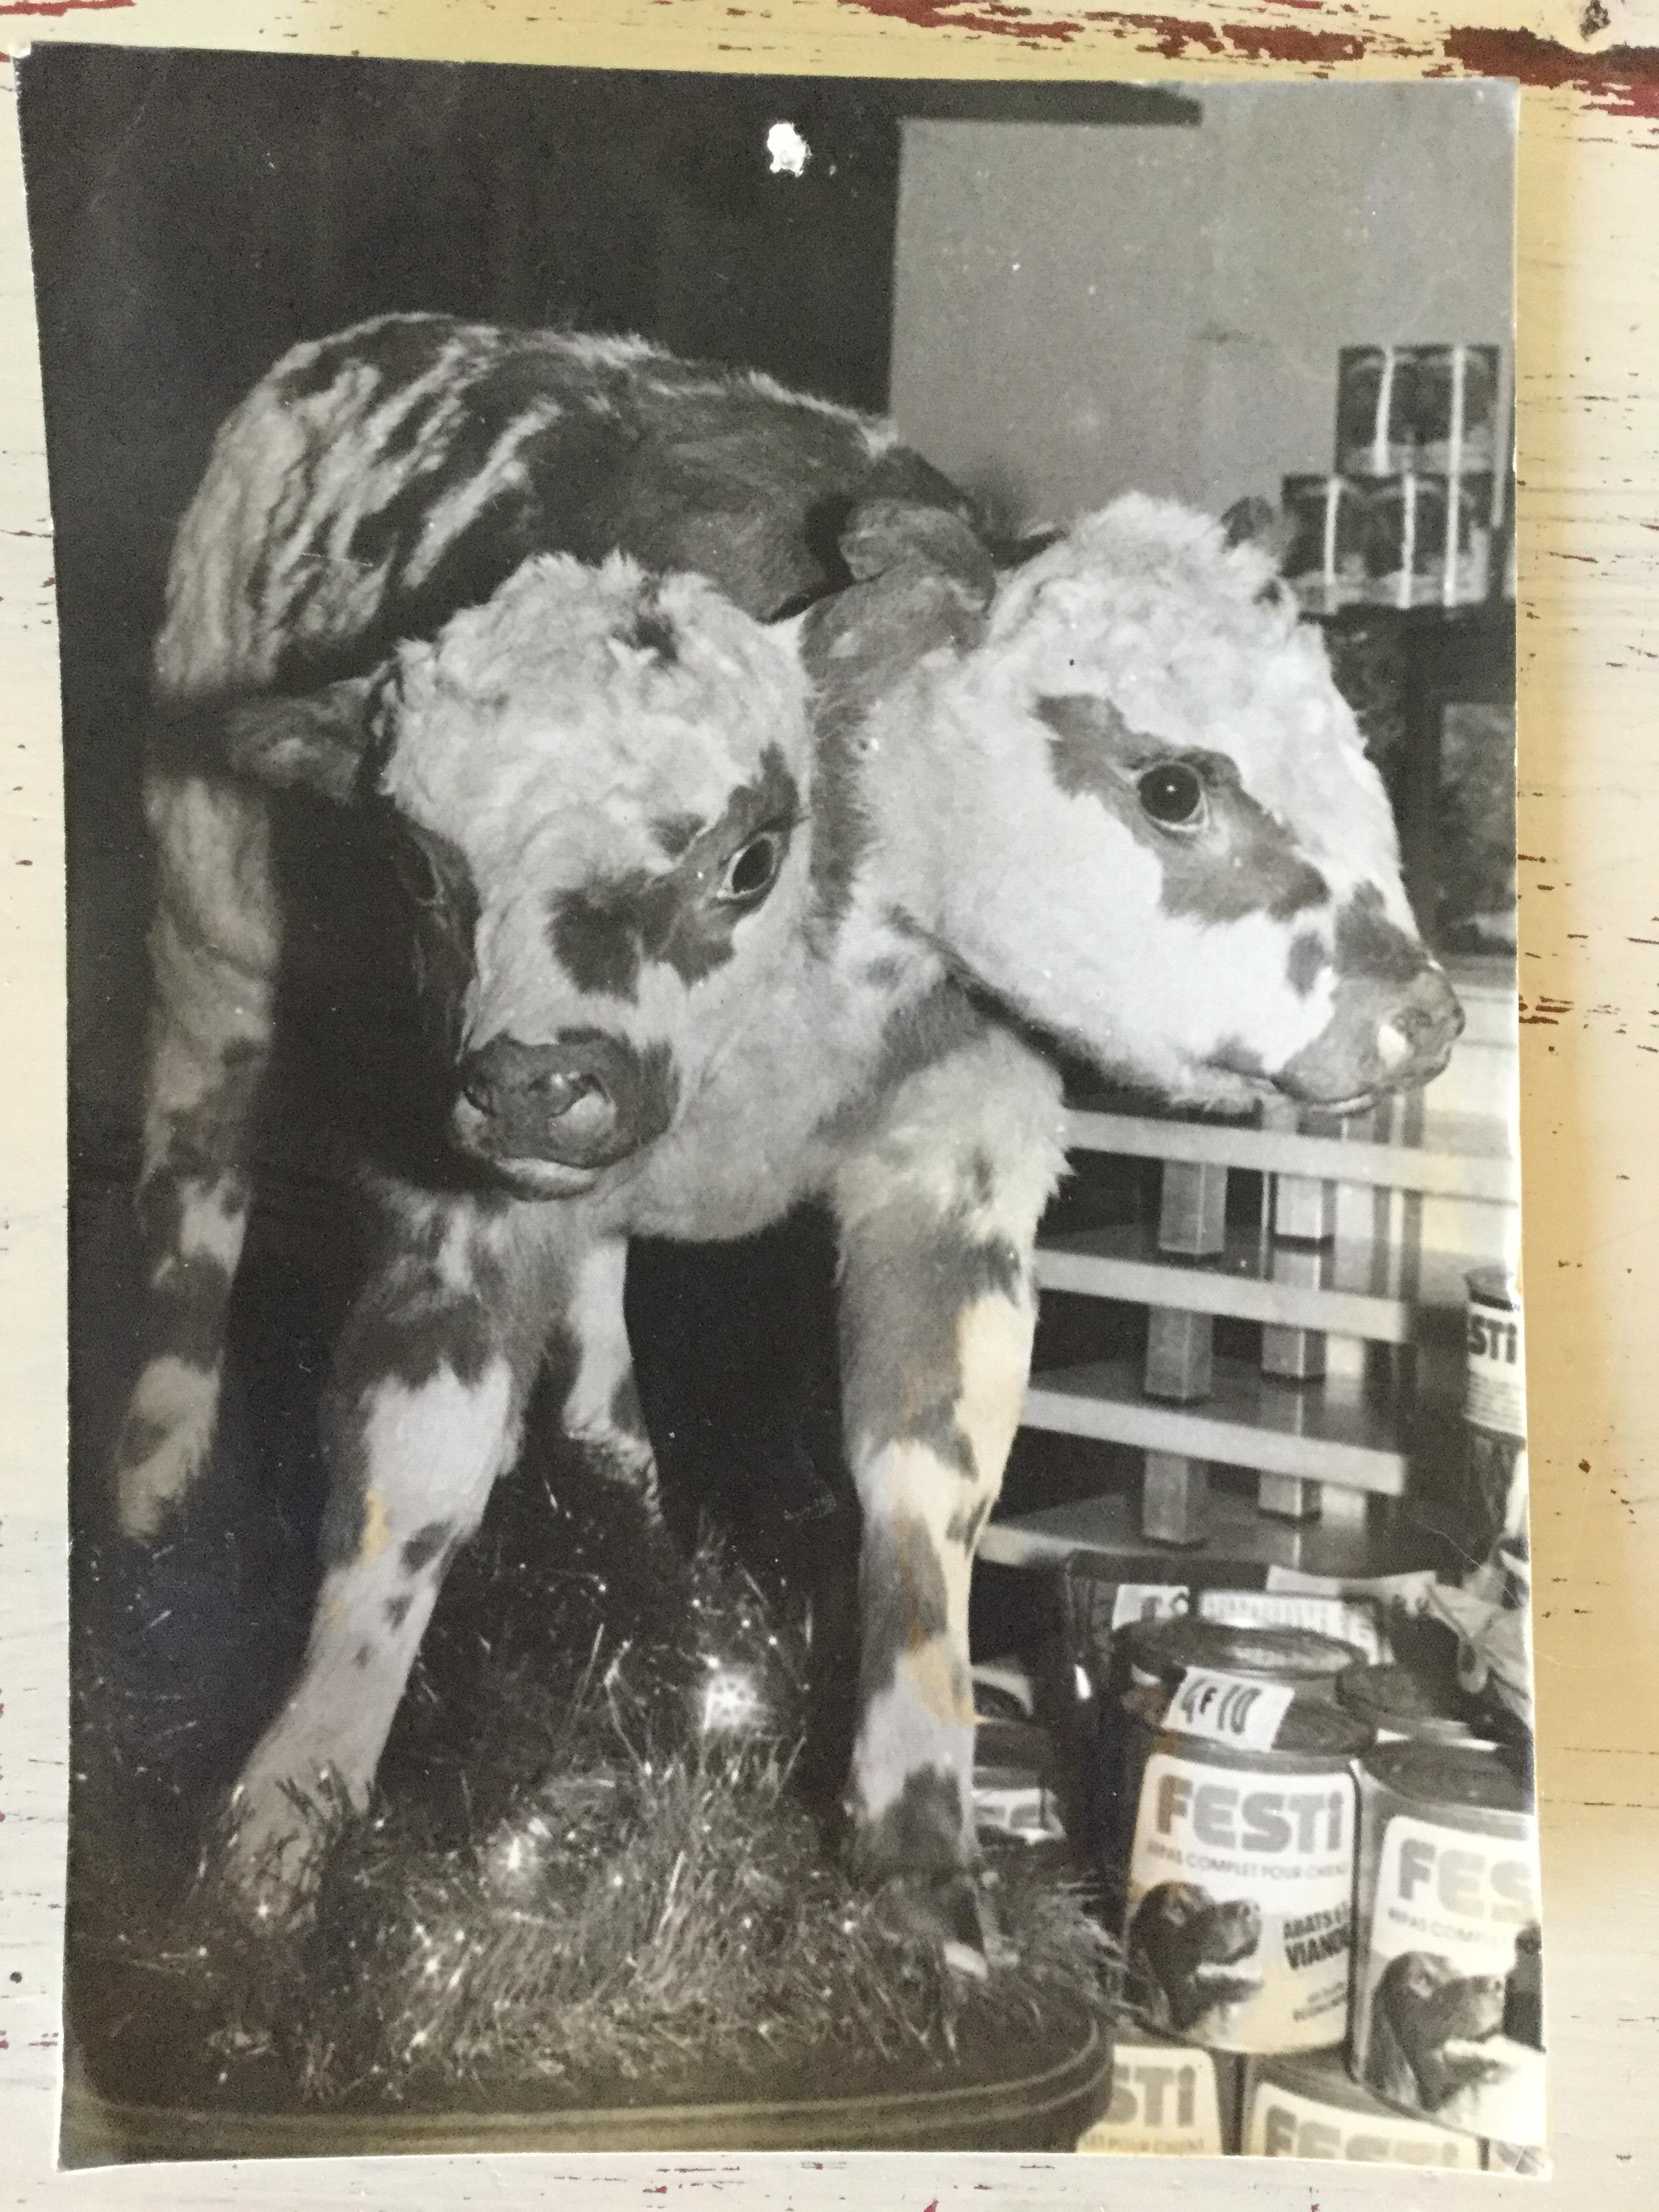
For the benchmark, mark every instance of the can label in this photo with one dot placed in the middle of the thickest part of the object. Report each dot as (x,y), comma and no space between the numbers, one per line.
(1351,1620)
(1238,1905)
(1283,2124)
(1495,1382)
(1447,2013)
(1164,2104)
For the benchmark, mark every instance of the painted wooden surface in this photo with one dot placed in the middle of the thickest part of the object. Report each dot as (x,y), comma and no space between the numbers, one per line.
(1590,833)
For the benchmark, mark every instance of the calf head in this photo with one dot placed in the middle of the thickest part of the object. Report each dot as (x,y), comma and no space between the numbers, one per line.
(593,790)
(1161,841)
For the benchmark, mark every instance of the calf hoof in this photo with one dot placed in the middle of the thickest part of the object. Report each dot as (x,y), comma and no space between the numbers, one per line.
(920,1855)
(265,1866)
(954,1914)
(626,1460)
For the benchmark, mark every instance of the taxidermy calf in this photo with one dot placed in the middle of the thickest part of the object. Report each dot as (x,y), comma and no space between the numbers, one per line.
(707,916)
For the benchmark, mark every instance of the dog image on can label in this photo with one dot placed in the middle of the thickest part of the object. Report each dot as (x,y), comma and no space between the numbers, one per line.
(1191,1956)
(1448,2017)
(1239,1903)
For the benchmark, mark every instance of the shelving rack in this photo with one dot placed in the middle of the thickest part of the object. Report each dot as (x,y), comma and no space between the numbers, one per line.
(1365,1231)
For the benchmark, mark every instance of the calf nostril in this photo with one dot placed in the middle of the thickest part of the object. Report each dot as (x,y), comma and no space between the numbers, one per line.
(1427,1022)
(561,1092)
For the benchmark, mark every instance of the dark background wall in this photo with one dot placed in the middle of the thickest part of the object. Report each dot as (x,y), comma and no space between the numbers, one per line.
(192,215)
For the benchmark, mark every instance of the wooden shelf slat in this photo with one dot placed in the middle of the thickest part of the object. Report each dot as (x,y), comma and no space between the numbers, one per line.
(1332,1432)
(1124,1262)
(1107,1528)
(1471,1160)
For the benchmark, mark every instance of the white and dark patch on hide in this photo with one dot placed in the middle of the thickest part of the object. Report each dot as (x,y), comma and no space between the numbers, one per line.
(192,1210)
(1238,861)
(414,460)
(603,932)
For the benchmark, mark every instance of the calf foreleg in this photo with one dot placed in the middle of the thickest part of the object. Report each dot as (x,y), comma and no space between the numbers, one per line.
(602,1406)
(431,1378)
(938,1218)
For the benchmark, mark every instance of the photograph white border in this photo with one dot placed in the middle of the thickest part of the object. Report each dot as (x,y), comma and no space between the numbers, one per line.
(1589,585)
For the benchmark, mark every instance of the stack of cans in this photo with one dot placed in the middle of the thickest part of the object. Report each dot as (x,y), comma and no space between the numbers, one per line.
(1324,1878)
(1410,515)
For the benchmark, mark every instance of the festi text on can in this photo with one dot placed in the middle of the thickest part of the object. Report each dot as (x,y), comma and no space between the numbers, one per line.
(1168,2100)
(1495,1386)
(1448,2012)
(1237,1881)
(1309,2107)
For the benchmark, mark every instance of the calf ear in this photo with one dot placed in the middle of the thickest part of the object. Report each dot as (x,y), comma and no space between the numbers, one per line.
(922,578)
(316,743)
(1256,521)
(888,535)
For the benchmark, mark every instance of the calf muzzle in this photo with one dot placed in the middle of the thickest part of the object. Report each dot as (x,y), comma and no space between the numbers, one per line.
(581,1102)
(1383,1035)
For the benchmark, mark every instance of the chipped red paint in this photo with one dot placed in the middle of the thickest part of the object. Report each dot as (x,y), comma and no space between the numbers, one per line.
(993,16)
(59,6)
(1289,42)
(1620,80)
(1171,36)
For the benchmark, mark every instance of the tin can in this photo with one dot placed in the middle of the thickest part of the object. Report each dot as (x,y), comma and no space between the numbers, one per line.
(1160,1651)
(1402,1702)
(1311,2108)
(1012,1797)
(1169,2101)
(1494,1413)
(1376,410)
(1328,544)
(1236,1868)
(1495,1378)
(1454,399)
(1448,1970)
(1428,541)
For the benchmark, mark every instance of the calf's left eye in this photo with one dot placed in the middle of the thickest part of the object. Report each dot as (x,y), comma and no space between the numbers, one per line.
(752,870)
(1173,793)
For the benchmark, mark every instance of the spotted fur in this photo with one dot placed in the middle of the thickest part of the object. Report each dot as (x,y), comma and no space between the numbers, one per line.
(706,906)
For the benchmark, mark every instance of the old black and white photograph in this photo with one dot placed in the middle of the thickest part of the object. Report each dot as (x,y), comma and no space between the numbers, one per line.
(796,1355)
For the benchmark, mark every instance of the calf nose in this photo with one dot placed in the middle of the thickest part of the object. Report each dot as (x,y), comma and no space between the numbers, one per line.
(564,1102)
(1417,1034)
